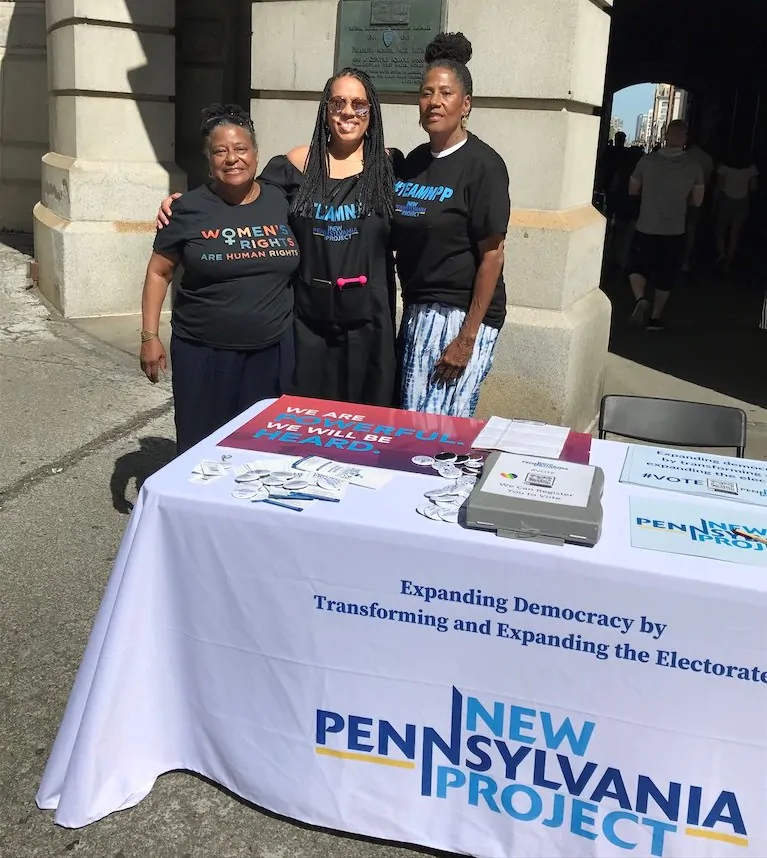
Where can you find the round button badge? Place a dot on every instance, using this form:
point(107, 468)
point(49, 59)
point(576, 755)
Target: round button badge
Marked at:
point(431, 512)
point(449, 472)
point(249, 477)
point(244, 494)
point(330, 484)
point(285, 475)
point(296, 483)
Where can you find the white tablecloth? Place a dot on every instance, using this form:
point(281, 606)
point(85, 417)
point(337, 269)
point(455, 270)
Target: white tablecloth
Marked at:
point(307, 663)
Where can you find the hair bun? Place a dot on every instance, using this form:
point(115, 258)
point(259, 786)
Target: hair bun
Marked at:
point(449, 46)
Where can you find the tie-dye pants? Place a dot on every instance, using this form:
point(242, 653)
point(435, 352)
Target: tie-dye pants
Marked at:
point(427, 329)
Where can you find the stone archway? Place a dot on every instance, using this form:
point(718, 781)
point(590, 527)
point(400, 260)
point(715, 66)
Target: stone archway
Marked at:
point(718, 52)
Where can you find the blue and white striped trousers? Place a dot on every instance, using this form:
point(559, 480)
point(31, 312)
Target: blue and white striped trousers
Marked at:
point(427, 330)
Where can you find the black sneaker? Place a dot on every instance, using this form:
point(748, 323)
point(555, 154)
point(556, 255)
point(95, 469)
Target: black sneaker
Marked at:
point(641, 313)
point(656, 325)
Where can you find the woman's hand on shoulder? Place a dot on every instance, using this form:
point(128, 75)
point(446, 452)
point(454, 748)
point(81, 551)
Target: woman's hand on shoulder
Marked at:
point(298, 157)
point(165, 212)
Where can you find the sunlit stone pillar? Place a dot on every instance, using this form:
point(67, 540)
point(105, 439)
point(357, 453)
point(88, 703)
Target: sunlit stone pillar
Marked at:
point(112, 120)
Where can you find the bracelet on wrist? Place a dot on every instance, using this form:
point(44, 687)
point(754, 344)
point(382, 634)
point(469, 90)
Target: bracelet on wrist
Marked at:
point(148, 335)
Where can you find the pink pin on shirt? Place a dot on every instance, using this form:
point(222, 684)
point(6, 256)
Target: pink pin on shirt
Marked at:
point(341, 282)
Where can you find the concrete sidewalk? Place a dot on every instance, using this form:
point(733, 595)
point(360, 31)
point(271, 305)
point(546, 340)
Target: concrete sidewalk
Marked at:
point(63, 392)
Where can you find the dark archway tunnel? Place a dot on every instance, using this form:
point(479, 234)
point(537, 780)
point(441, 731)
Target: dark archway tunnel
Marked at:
point(717, 51)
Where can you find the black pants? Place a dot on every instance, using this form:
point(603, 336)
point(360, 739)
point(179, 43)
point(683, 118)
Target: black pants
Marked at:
point(658, 258)
point(212, 386)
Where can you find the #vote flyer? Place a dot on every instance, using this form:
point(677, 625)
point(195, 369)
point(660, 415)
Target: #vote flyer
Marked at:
point(355, 434)
point(693, 473)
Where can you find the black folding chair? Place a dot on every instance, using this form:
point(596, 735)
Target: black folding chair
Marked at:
point(673, 422)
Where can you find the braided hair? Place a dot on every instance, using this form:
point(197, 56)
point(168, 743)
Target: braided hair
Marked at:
point(375, 187)
point(451, 51)
point(226, 114)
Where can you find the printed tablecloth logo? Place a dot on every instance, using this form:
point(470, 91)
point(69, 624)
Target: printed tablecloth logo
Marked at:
point(534, 767)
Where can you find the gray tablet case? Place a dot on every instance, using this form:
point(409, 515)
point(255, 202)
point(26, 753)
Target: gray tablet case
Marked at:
point(536, 520)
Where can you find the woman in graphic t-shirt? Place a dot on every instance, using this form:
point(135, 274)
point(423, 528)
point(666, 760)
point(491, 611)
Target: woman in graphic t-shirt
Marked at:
point(340, 191)
point(452, 211)
point(232, 320)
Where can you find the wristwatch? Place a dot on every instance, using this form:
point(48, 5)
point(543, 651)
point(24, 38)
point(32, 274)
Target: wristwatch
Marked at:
point(148, 335)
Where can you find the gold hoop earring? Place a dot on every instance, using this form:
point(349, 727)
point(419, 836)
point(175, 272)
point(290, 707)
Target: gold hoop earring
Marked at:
point(464, 122)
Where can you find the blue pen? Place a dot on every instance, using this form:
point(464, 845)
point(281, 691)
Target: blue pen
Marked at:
point(305, 496)
point(278, 503)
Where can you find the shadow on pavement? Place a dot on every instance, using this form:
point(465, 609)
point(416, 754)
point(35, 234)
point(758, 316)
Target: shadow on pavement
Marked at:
point(139, 465)
point(712, 337)
point(305, 826)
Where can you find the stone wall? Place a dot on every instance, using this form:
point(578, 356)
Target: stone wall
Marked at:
point(112, 140)
point(23, 110)
point(539, 69)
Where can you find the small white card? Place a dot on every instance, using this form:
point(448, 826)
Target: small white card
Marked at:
point(369, 478)
point(208, 471)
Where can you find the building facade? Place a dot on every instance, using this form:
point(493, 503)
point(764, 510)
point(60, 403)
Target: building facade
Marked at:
point(90, 148)
point(640, 132)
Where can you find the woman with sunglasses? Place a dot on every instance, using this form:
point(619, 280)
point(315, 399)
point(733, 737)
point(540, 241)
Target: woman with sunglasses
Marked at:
point(340, 190)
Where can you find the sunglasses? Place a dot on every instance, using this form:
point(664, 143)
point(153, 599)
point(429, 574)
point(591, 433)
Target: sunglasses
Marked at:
point(360, 106)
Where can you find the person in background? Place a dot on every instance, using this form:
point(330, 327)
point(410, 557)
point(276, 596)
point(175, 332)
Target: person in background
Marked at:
point(613, 158)
point(340, 190)
point(706, 163)
point(232, 317)
point(452, 211)
point(667, 182)
point(736, 180)
point(623, 209)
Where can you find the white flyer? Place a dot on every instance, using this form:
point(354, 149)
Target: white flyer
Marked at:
point(688, 472)
point(531, 478)
point(522, 436)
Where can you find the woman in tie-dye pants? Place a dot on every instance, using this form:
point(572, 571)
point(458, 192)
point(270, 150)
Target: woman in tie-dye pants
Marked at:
point(451, 214)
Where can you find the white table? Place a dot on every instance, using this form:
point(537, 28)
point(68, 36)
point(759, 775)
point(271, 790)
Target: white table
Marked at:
point(220, 647)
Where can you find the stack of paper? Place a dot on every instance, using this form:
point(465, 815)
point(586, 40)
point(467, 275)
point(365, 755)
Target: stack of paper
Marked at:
point(522, 436)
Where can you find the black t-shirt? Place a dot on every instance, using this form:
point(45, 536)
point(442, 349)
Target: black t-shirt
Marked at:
point(337, 243)
point(238, 261)
point(444, 207)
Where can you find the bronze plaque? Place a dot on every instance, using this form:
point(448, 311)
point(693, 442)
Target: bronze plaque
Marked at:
point(387, 39)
